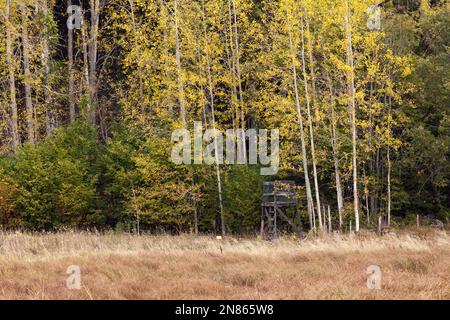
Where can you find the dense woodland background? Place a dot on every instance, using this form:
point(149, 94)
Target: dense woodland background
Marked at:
point(86, 116)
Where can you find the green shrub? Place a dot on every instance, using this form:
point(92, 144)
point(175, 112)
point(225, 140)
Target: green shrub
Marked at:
point(54, 181)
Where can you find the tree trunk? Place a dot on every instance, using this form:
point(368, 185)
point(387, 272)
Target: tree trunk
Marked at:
point(311, 62)
point(334, 145)
point(27, 80)
point(70, 72)
point(92, 55)
point(140, 72)
point(179, 69)
point(366, 193)
point(239, 80)
point(329, 220)
point(49, 112)
point(388, 187)
point(302, 133)
point(311, 132)
point(370, 206)
point(352, 104)
point(238, 64)
point(389, 164)
point(314, 222)
point(231, 64)
point(12, 77)
point(213, 118)
point(84, 46)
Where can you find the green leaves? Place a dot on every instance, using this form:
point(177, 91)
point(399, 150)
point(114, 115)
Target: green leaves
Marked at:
point(55, 183)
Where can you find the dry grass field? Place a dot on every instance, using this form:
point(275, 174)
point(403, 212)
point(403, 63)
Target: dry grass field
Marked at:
point(414, 265)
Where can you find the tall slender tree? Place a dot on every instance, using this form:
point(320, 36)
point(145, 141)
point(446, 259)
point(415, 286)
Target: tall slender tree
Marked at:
point(181, 98)
point(27, 74)
point(92, 57)
point(310, 124)
point(12, 76)
point(213, 121)
point(70, 71)
point(300, 116)
point(352, 105)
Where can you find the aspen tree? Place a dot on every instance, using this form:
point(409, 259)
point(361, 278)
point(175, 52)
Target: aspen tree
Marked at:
point(239, 79)
point(334, 146)
point(213, 121)
point(352, 105)
point(231, 65)
point(238, 63)
point(389, 169)
point(300, 120)
point(311, 132)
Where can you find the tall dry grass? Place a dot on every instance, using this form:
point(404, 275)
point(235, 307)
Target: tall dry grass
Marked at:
point(414, 265)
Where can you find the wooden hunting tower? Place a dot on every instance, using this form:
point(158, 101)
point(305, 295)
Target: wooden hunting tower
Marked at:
point(277, 196)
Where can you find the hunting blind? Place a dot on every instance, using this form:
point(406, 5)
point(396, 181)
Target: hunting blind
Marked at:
point(277, 197)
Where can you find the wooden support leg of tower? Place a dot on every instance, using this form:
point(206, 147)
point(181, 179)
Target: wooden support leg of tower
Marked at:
point(291, 223)
point(274, 234)
point(271, 214)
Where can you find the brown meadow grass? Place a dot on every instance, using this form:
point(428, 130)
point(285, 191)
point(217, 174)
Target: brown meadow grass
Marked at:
point(414, 265)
